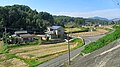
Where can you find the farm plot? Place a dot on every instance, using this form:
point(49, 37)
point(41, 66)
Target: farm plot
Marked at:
point(14, 62)
point(72, 29)
point(40, 50)
point(76, 29)
point(97, 32)
point(37, 54)
point(31, 48)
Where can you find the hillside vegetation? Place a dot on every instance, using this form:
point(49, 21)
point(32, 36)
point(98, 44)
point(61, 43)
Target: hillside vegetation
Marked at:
point(102, 41)
point(17, 17)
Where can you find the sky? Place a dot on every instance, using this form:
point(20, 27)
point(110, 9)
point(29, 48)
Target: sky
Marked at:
point(75, 8)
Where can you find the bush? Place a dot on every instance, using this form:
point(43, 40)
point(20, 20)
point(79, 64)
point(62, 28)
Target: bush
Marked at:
point(102, 41)
point(4, 48)
point(79, 42)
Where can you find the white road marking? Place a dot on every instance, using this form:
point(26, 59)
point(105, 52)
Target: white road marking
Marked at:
point(110, 50)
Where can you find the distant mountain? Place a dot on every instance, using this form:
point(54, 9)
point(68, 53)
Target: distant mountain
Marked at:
point(99, 18)
point(116, 19)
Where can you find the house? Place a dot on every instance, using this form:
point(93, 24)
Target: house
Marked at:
point(97, 25)
point(21, 37)
point(55, 32)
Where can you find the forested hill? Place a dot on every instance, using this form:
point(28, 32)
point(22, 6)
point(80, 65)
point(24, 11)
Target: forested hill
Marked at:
point(20, 16)
point(66, 20)
point(77, 21)
point(17, 17)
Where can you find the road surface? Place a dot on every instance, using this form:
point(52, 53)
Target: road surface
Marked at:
point(61, 59)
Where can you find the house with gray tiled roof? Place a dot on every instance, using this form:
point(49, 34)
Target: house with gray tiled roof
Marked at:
point(22, 36)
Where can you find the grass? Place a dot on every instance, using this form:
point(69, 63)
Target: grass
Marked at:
point(7, 56)
point(102, 41)
point(79, 42)
point(108, 29)
point(75, 30)
point(97, 32)
point(30, 62)
point(3, 47)
point(43, 58)
point(35, 61)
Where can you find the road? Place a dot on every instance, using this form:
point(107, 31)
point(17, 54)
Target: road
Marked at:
point(89, 39)
point(59, 60)
point(108, 56)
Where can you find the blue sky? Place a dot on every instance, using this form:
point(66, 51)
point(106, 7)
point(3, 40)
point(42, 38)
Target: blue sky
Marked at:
point(76, 8)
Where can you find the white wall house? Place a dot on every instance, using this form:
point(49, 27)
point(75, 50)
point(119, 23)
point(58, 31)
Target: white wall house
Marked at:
point(55, 32)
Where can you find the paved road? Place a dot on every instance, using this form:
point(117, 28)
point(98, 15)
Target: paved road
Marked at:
point(59, 60)
point(89, 39)
point(108, 56)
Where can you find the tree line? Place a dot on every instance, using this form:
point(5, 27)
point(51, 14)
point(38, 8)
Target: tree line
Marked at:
point(18, 17)
point(22, 17)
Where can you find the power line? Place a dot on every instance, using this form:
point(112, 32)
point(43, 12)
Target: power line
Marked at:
point(116, 2)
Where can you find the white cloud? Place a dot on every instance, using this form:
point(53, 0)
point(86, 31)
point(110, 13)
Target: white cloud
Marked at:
point(108, 13)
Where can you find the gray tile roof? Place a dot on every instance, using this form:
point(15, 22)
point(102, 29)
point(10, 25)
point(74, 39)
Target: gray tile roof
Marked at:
point(26, 35)
point(55, 27)
point(19, 32)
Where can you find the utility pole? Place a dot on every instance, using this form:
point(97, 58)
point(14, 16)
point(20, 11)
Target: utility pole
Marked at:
point(68, 50)
point(5, 36)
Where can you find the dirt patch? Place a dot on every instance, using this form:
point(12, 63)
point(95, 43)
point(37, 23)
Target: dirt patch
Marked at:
point(72, 29)
point(1, 43)
point(31, 48)
point(13, 63)
point(43, 52)
point(97, 32)
point(2, 57)
point(108, 27)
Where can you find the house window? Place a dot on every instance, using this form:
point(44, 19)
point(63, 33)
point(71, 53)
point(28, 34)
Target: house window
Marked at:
point(59, 30)
point(51, 29)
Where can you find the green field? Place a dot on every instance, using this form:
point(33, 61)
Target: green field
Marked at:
point(102, 41)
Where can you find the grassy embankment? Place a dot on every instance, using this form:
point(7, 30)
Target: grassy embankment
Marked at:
point(102, 41)
point(37, 54)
